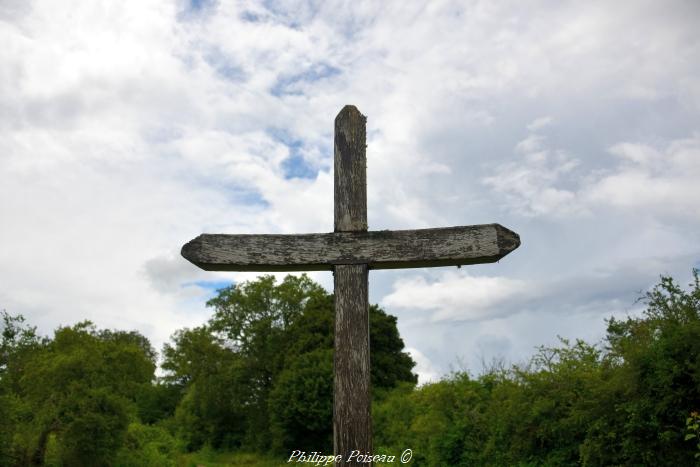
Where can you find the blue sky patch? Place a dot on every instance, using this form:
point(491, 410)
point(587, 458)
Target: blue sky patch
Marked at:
point(247, 197)
point(291, 15)
point(295, 166)
point(199, 5)
point(193, 9)
point(250, 17)
point(210, 285)
point(291, 85)
point(223, 65)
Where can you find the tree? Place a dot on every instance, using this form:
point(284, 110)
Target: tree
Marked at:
point(213, 389)
point(18, 343)
point(82, 387)
point(652, 381)
point(253, 319)
point(302, 398)
point(260, 373)
point(390, 364)
point(301, 408)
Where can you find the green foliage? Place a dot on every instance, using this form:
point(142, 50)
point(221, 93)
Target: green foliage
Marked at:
point(692, 426)
point(574, 404)
point(156, 402)
point(92, 427)
point(82, 387)
point(214, 393)
point(17, 340)
point(208, 457)
point(257, 376)
point(440, 422)
point(254, 319)
point(300, 411)
point(651, 381)
point(68, 400)
point(53, 457)
point(260, 375)
point(390, 364)
point(550, 404)
point(18, 344)
point(146, 446)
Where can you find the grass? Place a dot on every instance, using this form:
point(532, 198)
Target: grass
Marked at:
point(210, 458)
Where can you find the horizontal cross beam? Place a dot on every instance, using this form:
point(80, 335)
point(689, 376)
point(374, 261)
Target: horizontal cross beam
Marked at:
point(384, 249)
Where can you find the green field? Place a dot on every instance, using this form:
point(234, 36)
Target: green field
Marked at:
point(228, 459)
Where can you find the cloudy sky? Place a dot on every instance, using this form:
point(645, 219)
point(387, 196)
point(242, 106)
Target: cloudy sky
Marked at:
point(127, 128)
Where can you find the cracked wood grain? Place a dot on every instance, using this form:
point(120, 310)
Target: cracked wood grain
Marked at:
point(385, 249)
point(352, 421)
point(350, 171)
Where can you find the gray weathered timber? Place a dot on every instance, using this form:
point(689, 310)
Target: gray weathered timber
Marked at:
point(350, 171)
point(383, 249)
point(352, 421)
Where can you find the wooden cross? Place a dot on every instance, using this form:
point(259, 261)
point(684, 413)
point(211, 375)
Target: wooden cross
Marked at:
point(350, 251)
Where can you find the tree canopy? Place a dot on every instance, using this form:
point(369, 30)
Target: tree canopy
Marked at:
point(259, 375)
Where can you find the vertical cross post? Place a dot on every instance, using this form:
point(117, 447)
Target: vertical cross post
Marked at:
point(352, 422)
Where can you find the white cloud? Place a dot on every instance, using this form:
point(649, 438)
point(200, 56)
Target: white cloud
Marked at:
point(544, 182)
point(424, 368)
point(540, 123)
point(534, 186)
point(531, 144)
point(663, 182)
point(457, 296)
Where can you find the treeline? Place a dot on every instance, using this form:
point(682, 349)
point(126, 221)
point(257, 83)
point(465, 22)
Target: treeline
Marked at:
point(258, 377)
point(631, 401)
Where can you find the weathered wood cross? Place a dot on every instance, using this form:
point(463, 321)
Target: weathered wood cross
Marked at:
point(350, 251)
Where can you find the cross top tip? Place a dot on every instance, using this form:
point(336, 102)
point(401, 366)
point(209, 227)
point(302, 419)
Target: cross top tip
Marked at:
point(349, 111)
